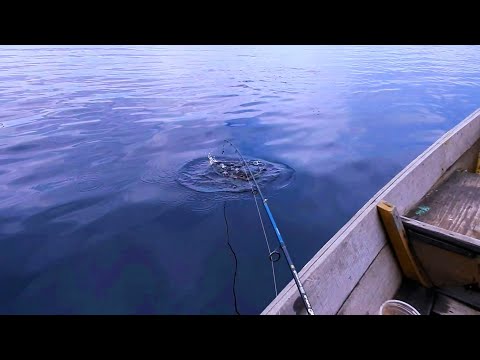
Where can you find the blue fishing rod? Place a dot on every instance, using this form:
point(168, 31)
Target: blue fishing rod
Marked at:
point(283, 246)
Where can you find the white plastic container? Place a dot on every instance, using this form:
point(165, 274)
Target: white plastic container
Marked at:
point(397, 307)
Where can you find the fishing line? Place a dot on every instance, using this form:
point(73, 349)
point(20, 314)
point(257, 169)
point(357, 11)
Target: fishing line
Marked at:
point(283, 246)
point(234, 256)
point(270, 252)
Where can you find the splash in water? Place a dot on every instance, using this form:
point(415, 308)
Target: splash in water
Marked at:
point(213, 174)
point(236, 169)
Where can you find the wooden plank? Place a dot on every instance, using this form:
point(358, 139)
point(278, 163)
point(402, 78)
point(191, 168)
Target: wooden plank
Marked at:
point(478, 164)
point(454, 205)
point(377, 285)
point(445, 305)
point(333, 272)
point(416, 295)
point(468, 161)
point(396, 234)
point(467, 295)
point(463, 241)
point(445, 267)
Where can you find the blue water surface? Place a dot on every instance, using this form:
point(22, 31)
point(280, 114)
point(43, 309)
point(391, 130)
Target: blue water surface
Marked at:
point(92, 139)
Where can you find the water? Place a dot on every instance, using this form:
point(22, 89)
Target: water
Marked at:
point(93, 218)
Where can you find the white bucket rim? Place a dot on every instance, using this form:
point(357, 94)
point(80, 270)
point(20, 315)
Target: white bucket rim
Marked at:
point(401, 305)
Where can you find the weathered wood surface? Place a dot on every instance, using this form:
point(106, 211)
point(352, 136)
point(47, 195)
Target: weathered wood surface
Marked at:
point(454, 205)
point(331, 275)
point(445, 305)
point(377, 285)
point(449, 258)
point(398, 238)
point(467, 161)
point(456, 240)
point(445, 267)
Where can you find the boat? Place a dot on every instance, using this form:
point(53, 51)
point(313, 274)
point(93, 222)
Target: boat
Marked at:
point(416, 241)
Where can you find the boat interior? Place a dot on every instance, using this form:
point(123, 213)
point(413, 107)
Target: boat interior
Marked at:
point(417, 240)
point(437, 242)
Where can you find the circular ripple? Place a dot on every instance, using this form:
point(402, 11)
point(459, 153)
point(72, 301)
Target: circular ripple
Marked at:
point(88, 182)
point(201, 175)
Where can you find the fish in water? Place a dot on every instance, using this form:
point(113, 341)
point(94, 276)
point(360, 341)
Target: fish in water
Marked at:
point(206, 174)
point(236, 169)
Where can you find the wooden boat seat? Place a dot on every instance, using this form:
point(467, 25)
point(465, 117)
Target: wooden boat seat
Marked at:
point(442, 236)
point(454, 205)
point(444, 231)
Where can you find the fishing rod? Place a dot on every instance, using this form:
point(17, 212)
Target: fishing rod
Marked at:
point(283, 246)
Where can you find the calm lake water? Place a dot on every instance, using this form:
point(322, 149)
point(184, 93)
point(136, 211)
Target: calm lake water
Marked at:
point(93, 140)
